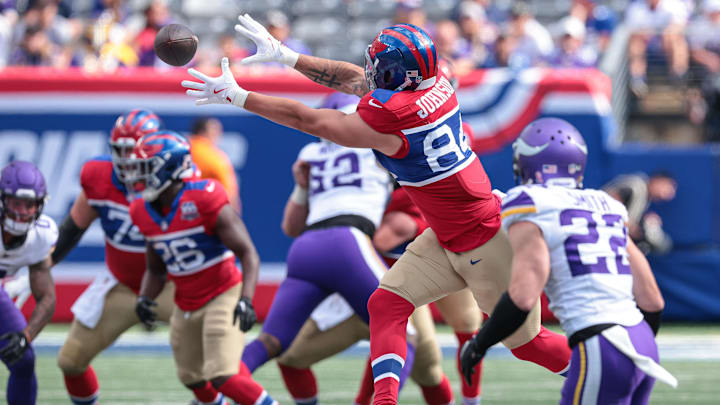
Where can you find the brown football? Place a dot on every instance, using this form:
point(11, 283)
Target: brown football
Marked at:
point(175, 44)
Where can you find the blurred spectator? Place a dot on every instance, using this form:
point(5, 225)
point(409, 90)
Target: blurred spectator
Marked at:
point(657, 26)
point(8, 18)
point(503, 54)
point(53, 36)
point(229, 47)
point(477, 35)
point(534, 42)
point(157, 15)
point(278, 26)
point(637, 191)
point(599, 21)
point(571, 50)
point(35, 48)
point(210, 159)
point(452, 47)
point(704, 39)
point(411, 12)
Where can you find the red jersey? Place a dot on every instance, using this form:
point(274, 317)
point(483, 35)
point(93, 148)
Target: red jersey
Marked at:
point(400, 202)
point(124, 244)
point(435, 165)
point(195, 258)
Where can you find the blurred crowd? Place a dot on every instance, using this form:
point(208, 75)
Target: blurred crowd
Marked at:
point(106, 34)
point(681, 38)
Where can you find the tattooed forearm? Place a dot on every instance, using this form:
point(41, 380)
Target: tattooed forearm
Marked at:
point(341, 76)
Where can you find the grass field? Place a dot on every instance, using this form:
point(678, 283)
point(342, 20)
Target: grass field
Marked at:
point(148, 377)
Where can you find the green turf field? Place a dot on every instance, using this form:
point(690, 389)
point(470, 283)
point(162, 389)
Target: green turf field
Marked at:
point(149, 378)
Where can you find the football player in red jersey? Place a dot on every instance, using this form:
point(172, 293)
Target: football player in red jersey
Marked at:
point(410, 117)
point(193, 237)
point(106, 309)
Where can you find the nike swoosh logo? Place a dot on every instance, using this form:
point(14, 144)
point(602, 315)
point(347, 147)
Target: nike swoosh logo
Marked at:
point(474, 262)
point(218, 91)
point(372, 103)
point(210, 187)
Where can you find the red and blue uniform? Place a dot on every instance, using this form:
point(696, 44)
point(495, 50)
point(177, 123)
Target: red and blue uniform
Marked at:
point(184, 237)
point(400, 202)
point(124, 244)
point(435, 165)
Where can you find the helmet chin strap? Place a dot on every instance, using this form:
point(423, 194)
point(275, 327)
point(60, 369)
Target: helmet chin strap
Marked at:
point(151, 194)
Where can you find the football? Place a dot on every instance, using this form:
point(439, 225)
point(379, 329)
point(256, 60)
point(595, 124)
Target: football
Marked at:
point(175, 44)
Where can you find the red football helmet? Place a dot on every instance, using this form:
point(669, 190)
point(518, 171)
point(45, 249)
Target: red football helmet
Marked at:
point(128, 129)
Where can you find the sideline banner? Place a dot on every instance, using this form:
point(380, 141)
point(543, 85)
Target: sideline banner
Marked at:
point(59, 119)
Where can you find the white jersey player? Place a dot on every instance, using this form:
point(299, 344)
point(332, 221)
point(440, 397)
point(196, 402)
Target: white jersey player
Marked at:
point(573, 243)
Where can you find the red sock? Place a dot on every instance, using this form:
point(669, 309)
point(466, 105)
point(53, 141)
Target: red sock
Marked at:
point(83, 388)
point(548, 349)
point(470, 393)
point(244, 371)
point(301, 383)
point(367, 389)
point(388, 321)
point(206, 394)
point(440, 394)
point(245, 391)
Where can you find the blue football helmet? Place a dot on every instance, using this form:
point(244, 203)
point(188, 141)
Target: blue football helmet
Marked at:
point(158, 160)
point(128, 129)
point(400, 58)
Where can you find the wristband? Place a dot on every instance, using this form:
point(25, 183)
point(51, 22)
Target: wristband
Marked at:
point(240, 96)
point(299, 195)
point(289, 57)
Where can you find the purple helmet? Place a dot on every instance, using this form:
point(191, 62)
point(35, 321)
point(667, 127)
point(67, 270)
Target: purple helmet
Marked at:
point(549, 148)
point(22, 196)
point(346, 103)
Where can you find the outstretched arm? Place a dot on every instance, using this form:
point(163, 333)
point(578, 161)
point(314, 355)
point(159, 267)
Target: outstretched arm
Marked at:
point(344, 129)
point(341, 76)
point(345, 77)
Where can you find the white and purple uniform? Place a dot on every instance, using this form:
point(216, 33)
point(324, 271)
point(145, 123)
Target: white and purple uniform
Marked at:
point(590, 291)
point(39, 242)
point(348, 192)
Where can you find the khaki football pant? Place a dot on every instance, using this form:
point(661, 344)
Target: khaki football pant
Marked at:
point(460, 311)
point(205, 342)
point(83, 344)
point(427, 272)
point(312, 345)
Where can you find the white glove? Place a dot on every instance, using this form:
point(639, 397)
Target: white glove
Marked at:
point(216, 90)
point(269, 49)
point(19, 288)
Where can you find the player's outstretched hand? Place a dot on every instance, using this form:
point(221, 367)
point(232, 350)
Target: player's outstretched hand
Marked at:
point(146, 313)
point(17, 344)
point(469, 358)
point(269, 49)
point(222, 89)
point(244, 314)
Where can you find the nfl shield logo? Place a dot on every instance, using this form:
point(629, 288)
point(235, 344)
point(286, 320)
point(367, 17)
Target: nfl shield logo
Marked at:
point(188, 211)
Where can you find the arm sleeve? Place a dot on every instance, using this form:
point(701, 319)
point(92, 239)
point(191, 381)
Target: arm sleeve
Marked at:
point(69, 236)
